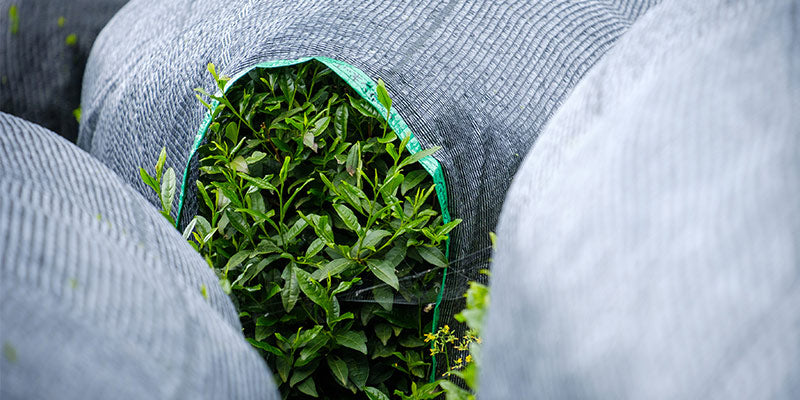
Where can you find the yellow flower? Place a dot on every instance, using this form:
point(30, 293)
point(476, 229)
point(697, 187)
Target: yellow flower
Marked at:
point(433, 352)
point(429, 337)
point(469, 358)
point(446, 329)
point(459, 361)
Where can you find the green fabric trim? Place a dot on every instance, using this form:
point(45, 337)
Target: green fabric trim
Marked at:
point(365, 87)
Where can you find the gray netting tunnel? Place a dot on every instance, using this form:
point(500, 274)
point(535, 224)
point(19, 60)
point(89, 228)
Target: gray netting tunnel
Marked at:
point(44, 45)
point(649, 245)
point(478, 78)
point(100, 296)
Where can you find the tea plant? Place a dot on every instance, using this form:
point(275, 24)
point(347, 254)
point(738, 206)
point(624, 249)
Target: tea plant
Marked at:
point(164, 185)
point(323, 229)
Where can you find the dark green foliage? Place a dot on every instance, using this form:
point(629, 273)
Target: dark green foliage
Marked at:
point(323, 229)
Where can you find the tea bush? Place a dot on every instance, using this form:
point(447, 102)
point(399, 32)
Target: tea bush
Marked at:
point(323, 229)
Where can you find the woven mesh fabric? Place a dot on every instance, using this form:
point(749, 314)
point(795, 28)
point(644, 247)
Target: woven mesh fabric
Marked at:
point(649, 247)
point(475, 77)
point(40, 74)
point(100, 296)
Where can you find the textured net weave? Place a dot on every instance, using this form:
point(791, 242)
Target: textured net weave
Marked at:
point(479, 78)
point(100, 296)
point(40, 71)
point(649, 245)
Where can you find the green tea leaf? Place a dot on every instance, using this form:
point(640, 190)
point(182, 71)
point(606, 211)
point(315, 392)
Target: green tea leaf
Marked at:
point(232, 132)
point(149, 180)
point(446, 228)
point(344, 286)
point(353, 191)
point(255, 201)
point(283, 366)
point(168, 190)
point(351, 195)
point(348, 217)
point(300, 374)
point(238, 222)
point(333, 268)
point(265, 346)
point(413, 179)
point(373, 238)
point(258, 182)
point(359, 370)
point(225, 196)
point(419, 156)
point(258, 216)
point(308, 141)
point(226, 285)
point(363, 107)
point(307, 336)
point(383, 332)
point(385, 272)
point(339, 369)
point(328, 183)
point(353, 158)
point(291, 288)
point(385, 297)
point(355, 340)
point(237, 259)
point(287, 85)
point(383, 95)
point(313, 290)
point(267, 246)
point(389, 188)
point(433, 255)
point(320, 125)
point(395, 255)
point(295, 230)
point(255, 157)
point(204, 194)
point(254, 269)
point(162, 159)
point(340, 122)
point(239, 164)
point(189, 228)
point(332, 321)
point(308, 387)
point(315, 247)
point(284, 169)
point(375, 394)
point(326, 231)
point(311, 350)
point(390, 136)
point(411, 342)
point(390, 149)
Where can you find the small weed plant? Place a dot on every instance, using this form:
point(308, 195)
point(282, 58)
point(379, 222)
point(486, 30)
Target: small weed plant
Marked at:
point(465, 368)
